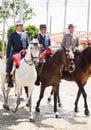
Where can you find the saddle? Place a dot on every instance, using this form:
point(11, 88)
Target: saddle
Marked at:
point(16, 58)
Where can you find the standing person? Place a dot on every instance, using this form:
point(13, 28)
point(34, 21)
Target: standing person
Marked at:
point(17, 41)
point(44, 43)
point(70, 39)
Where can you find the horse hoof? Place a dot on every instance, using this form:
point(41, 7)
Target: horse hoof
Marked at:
point(14, 110)
point(6, 107)
point(37, 109)
point(57, 114)
point(27, 105)
point(32, 120)
point(76, 110)
point(87, 112)
point(49, 99)
point(60, 105)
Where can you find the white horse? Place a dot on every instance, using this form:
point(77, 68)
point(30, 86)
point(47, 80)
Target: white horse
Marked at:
point(24, 76)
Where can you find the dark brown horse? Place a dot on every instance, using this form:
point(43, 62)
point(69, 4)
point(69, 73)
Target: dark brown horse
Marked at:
point(80, 76)
point(50, 74)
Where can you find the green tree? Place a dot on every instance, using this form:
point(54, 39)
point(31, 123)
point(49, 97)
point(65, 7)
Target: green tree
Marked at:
point(4, 11)
point(27, 12)
point(1, 45)
point(10, 29)
point(13, 12)
point(31, 30)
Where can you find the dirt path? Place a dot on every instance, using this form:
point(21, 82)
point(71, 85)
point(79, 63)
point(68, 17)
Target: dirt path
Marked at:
point(45, 120)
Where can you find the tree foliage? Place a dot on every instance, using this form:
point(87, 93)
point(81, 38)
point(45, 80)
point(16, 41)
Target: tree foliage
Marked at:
point(0, 45)
point(4, 13)
point(11, 29)
point(13, 12)
point(27, 12)
point(31, 30)
point(1, 42)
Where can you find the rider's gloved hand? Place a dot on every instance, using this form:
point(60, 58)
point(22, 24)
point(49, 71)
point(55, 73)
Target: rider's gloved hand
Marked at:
point(23, 51)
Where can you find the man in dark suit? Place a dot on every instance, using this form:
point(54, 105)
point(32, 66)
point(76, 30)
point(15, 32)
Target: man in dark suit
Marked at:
point(44, 43)
point(17, 41)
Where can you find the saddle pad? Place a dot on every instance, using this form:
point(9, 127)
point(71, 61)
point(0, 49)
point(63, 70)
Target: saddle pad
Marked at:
point(16, 58)
point(44, 53)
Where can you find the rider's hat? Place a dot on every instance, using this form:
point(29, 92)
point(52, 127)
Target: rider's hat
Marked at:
point(19, 22)
point(42, 26)
point(70, 26)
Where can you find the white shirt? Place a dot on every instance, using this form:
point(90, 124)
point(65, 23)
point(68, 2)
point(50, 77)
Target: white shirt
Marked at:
point(18, 32)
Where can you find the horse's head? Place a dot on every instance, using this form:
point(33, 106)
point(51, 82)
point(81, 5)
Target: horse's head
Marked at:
point(70, 59)
point(33, 52)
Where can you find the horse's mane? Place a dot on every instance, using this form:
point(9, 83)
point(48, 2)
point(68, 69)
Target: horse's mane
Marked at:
point(86, 50)
point(83, 57)
point(53, 58)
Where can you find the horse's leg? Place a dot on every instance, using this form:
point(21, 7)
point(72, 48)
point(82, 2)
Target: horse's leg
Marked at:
point(76, 102)
point(30, 108)
point(18, 100)
point(55, 89)
point(37, 109)
point(81, 87)
point(50, 97)
point(59, 100)
point(5, 105)
point(5, 94)
point(26, 91)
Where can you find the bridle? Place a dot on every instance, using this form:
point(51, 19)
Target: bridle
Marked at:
point(30, 62)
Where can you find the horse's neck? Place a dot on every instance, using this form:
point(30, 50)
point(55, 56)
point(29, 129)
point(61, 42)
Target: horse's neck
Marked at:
point(87, 55)
point(28, 55)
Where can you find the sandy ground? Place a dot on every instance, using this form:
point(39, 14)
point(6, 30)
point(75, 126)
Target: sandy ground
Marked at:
point(45, 120)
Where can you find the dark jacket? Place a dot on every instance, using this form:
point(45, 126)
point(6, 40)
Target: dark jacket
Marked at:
point(45, 41)
point(15, 44)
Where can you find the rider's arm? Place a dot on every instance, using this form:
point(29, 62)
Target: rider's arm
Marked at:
point(63, 41)
point(77, 43)
point(49, 43)
point(27, 41)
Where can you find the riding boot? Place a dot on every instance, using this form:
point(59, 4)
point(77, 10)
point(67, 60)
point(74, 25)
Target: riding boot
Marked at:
point(39, 69)
point(9, 78)
point(37, 82)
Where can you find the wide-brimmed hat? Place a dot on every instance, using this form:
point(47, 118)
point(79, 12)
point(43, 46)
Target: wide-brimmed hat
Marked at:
point(42, 26)
point(19, 22)
point(70, 26)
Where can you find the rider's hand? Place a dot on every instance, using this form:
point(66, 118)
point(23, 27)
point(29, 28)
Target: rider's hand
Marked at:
point(40, 45)
point(77, 49)
point(24, 51)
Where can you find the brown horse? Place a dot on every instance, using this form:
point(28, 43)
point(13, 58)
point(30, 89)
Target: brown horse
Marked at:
point(80, 76)
point(50, 74)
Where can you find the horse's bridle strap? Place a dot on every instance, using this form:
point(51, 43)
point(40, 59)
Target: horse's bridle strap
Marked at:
point(28, 62)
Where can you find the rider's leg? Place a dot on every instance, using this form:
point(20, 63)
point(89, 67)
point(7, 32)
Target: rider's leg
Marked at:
point(9, 76)
point(39, 69)
point(37, 82)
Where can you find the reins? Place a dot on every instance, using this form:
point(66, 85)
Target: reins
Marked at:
point(32, 60)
